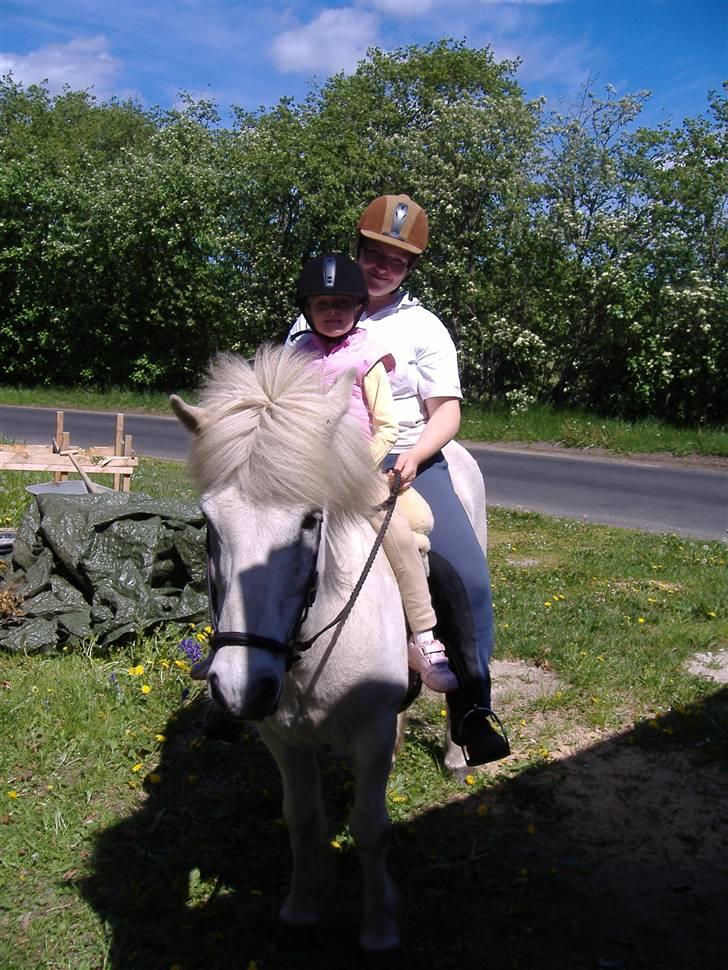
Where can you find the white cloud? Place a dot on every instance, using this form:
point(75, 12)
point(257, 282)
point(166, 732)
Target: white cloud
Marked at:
point(81, 63)
point(336, 40)
point(403, 8)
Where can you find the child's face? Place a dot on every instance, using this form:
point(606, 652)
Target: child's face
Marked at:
point(333, 316)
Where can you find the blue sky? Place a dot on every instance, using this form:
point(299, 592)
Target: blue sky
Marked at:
point(253, 52)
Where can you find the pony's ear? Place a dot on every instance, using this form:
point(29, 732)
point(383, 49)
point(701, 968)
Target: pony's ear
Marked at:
point(190, 416)
point(338, 395)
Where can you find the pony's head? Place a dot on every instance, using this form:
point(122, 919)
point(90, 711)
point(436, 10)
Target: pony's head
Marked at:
point(272, 450)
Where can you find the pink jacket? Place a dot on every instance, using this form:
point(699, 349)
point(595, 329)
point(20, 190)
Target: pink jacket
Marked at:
point(357, 351)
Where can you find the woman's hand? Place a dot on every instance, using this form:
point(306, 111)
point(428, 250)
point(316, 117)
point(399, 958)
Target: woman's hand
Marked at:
point(407, 464)
point(442, 424)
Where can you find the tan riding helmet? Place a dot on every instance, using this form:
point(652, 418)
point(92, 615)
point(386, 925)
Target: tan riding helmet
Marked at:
point(397, 221)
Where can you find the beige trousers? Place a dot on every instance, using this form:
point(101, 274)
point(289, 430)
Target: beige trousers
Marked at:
point(400, 548)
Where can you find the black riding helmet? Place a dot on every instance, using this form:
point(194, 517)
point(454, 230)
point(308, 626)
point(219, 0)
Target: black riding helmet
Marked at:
point(333, 274)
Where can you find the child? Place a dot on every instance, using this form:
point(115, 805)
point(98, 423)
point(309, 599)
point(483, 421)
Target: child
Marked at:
point(332, 295)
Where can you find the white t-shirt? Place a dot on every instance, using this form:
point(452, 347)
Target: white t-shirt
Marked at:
point(426, 362)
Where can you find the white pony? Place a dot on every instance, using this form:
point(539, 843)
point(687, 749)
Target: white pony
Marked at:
point(287, 480)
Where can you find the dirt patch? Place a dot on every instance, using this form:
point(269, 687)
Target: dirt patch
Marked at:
point(711, 665)
point(617, 842)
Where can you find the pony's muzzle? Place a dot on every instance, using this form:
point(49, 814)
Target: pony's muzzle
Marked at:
point(259, 700)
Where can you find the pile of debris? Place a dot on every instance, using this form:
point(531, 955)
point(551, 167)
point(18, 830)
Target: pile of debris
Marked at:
point(101, 566)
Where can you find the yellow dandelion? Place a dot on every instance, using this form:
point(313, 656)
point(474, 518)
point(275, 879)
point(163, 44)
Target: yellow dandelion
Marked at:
point(547, 603)
point(640, 619)
point(136, 671)
point(182, 665)
point(137, 767)
point(146, 689)
point(443, 712)
point(600, 658)
point(470, 779)
point(12, 793)
point(335, 844)
point(160, 737)
point(712, 613)
point(165, 663)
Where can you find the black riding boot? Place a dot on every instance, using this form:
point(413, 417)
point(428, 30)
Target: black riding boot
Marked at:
point(474, 725)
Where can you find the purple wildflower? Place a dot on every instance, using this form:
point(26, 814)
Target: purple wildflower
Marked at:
point(191, 649)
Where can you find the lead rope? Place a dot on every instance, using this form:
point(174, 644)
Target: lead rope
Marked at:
point(388, 505)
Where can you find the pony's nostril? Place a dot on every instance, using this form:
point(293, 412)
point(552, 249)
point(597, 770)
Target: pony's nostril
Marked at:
point(213, 685)
point(268, 694)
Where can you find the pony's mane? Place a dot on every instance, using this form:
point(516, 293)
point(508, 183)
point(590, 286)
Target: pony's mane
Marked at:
point(272, 428)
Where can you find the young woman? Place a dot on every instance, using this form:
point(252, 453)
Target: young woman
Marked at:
point(393, 234)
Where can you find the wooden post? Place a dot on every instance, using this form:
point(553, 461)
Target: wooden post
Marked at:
point(126, 484)
point(118, 446)
point(59, 476)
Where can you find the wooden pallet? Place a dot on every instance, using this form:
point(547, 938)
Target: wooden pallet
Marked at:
point(117, 460)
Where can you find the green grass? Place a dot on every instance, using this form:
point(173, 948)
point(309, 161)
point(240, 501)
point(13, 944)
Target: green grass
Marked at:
point(132, 841)
point(571, 429)
point(574, 428)
point(90, 399)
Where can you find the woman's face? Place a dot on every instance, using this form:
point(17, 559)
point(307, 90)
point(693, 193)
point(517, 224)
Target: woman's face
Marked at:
point(384, 266)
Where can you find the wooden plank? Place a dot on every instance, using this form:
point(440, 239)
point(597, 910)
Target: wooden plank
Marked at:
point(95, 452)
point(56, 465)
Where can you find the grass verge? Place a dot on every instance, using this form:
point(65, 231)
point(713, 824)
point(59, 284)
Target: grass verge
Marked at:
point(573, 428)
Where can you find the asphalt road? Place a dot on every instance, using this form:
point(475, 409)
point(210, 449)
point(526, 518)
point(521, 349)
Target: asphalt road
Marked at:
point(649, 496)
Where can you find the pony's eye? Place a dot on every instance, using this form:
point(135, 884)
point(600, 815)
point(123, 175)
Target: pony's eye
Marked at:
point(311, 521)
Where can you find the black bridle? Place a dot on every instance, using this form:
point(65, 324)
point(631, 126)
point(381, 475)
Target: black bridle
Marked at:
point(292, 647)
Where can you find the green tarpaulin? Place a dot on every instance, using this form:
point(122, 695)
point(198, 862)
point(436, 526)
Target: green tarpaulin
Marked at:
point(103, 566)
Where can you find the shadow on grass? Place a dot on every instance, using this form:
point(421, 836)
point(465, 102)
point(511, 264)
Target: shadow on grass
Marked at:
point(612, 858)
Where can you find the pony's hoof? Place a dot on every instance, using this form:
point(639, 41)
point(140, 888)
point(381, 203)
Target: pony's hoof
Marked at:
point(390, 959)
point(295, 939)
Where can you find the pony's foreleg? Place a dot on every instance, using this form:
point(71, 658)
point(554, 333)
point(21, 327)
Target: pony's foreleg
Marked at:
point(304, 816)
point(370, 827)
